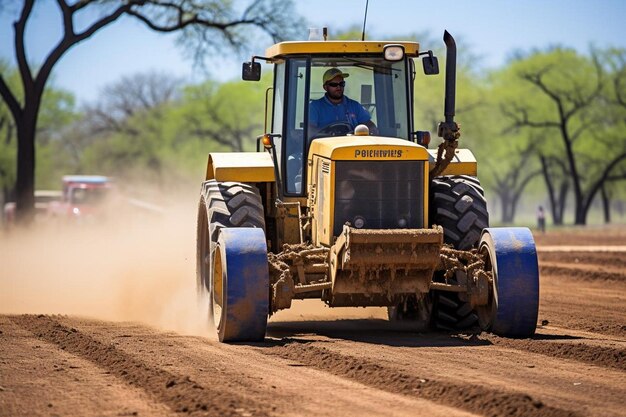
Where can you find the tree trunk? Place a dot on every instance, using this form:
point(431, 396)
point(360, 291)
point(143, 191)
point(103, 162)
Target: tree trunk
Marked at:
point(561, 203)
point(580, 213)
point(506, 202)
point(514, 204)
point(606, 205)
point(554, 207)
point(580, 218)
point(25, 182)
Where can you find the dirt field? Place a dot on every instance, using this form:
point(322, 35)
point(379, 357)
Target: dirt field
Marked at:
point(107, 324)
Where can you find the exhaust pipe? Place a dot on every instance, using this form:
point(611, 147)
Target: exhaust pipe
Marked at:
point(449, 106)
point(448, 129)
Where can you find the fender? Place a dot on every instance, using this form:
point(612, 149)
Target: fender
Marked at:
point(240, 167)
point(463, 163)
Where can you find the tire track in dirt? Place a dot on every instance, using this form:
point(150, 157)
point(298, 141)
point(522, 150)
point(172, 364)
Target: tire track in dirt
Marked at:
point(179, 393)
point(577, 351)
point(589, 259)
point(609, 249)
point(587, 266)
point(469, 397)
point(595, 306)
point(582, 272)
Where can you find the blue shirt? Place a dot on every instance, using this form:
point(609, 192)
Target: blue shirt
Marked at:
point(323, 112)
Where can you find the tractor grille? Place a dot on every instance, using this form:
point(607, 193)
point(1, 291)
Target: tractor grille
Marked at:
point(379, 194)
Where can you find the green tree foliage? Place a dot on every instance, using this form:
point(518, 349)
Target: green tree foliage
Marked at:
point(230, 115)
point(561, 96)
point(507, 158)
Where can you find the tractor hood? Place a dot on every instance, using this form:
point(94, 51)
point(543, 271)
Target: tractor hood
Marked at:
point(361, 148)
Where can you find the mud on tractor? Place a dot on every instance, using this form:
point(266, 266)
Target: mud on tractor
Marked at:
point(355, 218)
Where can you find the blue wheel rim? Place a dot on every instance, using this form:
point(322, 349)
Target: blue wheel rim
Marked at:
point(513, 257)
point(244, 291)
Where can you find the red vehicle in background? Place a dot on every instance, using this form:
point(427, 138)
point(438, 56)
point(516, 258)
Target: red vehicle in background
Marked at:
point(83, 196)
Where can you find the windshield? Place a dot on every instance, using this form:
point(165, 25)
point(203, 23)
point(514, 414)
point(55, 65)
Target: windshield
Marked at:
point(88, 195)
point(374, 89)
point(375, 93)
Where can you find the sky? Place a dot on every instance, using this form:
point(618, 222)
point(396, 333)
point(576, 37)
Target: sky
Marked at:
point(489, 29)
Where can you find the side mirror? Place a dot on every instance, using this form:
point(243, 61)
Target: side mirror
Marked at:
point(251, 71)
point(430, 64)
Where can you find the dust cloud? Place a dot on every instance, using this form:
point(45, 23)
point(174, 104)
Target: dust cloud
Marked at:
point(137, 264)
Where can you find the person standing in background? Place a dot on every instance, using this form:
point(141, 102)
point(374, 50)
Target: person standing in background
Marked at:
point(541, 219)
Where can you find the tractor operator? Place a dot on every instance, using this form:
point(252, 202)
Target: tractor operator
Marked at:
point(335, 107)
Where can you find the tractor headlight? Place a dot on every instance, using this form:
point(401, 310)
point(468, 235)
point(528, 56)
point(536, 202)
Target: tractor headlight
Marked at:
point(394, 52)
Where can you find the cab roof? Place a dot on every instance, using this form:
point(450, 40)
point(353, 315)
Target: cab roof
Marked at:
point(89, 179)
point(336, 47)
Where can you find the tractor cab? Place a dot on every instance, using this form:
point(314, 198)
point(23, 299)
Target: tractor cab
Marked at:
point(378, 75)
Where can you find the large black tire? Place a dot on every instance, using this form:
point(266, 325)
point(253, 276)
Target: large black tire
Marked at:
point(452, 311)
point(223, 204)
point(458, 205)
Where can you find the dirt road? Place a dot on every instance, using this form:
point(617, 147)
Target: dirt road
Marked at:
point(144, 351)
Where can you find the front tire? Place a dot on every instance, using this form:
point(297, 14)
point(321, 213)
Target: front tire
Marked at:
point(223, 205)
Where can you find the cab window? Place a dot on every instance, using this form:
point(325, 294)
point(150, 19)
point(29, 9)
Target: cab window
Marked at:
point(294, 125)
point(379, 86)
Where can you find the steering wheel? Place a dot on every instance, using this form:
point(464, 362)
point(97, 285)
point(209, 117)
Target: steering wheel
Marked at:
point(334, 129)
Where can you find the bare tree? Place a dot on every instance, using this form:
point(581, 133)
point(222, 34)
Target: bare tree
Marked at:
point(138, 93)
point(210, 21)
point(509, 184)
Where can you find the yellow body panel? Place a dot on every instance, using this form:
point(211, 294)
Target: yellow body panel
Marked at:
point(336, 47)
point(463, 163)
point(240, 167)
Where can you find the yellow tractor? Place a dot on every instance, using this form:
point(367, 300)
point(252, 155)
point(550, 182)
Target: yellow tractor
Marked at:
point(361, 215)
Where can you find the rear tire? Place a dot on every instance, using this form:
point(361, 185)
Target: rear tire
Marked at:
point(458, 205)
point(452, 311)
point(223, 205)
